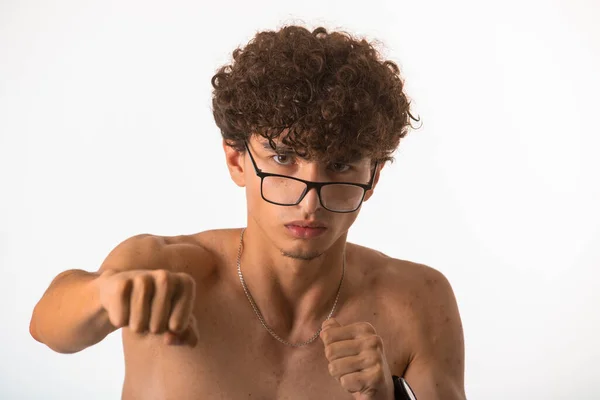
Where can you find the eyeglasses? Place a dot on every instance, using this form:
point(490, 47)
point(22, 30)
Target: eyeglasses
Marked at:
point(282, 190)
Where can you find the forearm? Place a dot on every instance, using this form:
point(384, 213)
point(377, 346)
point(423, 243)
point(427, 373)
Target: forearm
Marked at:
point(69, 316)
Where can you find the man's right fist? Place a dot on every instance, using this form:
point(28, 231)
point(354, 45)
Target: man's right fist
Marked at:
point(154, 301)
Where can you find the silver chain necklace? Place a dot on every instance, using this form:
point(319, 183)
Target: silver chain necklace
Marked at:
point(260, 317)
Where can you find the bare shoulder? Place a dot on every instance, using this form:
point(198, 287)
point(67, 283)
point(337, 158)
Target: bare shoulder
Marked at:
point(427, 294)
point(421, 307)
point(193, 253)
point(420, 293)
point(396, 273)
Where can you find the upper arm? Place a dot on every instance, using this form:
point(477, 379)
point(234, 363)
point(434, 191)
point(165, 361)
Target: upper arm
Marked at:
point(150, 252)
point(436, 369)
point(137, 252)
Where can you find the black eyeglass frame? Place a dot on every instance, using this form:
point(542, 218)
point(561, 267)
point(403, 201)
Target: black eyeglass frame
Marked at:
point(310, 185)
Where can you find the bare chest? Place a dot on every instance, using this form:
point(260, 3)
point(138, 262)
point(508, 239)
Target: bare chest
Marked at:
point(236, 358)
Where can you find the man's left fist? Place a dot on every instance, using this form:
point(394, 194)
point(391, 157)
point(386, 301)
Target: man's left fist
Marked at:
point(357, 360)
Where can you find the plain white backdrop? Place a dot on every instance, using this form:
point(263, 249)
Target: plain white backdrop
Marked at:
point(106, 132)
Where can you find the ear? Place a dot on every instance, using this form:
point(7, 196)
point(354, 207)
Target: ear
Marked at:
point(235, 163)
point(375, 180)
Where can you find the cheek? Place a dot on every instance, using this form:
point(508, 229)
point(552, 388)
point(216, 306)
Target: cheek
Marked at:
point(253, 198)
point(346, 220)
point(260, 209)
point(252, 186)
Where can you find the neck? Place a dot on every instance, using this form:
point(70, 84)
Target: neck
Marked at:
point(294, 295)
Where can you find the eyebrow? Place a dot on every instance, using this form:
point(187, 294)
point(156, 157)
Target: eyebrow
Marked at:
point(279, 148)
point(283, 149)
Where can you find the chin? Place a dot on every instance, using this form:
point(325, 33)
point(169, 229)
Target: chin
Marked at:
point(304, 255)
point(304, 249)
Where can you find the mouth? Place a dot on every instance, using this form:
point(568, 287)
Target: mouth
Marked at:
point(305, 229)
point(307, 224)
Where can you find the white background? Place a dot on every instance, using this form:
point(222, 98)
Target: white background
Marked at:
point(106, 132)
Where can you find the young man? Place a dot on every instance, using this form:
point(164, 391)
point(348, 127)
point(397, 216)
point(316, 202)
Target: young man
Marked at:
point(285, 308)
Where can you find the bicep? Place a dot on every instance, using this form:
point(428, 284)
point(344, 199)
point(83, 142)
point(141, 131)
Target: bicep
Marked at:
point(148, 252)
point(436, 370)
point(142, 251)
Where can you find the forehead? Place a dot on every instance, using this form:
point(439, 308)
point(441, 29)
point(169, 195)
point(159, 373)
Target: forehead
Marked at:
point(262, 144)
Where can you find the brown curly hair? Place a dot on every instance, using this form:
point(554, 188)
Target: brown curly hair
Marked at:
point(331, 94)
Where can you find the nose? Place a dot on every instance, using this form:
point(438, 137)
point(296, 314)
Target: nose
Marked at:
point(310, 203)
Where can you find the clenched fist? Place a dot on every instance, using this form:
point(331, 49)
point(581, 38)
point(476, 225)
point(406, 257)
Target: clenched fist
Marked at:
point(357, 359)
point(151, 301)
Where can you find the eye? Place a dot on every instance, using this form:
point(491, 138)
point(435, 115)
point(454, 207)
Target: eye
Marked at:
point(282, 159)
point(340, 167)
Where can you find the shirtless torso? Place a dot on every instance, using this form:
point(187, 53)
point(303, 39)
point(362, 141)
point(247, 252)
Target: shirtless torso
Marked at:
point(237, 358)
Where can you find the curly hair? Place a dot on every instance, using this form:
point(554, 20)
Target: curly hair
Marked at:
point(328, 95)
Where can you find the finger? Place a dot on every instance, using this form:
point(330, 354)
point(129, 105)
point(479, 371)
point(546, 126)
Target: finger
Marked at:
point(345, 348)
point(161, 301)
point(140, 303)
point(183, 302)
point(328, 328)
point(330, 323)
point(119, 303)
point(190, 335)
point(333, 333)
point(347, 365)
point(355, 381)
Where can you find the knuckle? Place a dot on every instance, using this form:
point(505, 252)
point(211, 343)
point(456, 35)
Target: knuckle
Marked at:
point(183, 283)
point(332, 369)
point(115, 320)
point(366, 327)
point(188, 282)
point(120, 286)
point(328, 352)
point(374, 342)
point(140, 281)
point(161, 276)
point(345, 380)
point(192, 283)
point(378, 373)
point(372, 359)
point(184, 276)
point(120, 316)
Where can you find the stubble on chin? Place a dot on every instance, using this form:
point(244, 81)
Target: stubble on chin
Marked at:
point(300, 255)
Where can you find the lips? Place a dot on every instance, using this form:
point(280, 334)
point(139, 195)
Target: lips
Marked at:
point(307, 224)
point(305, 230)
